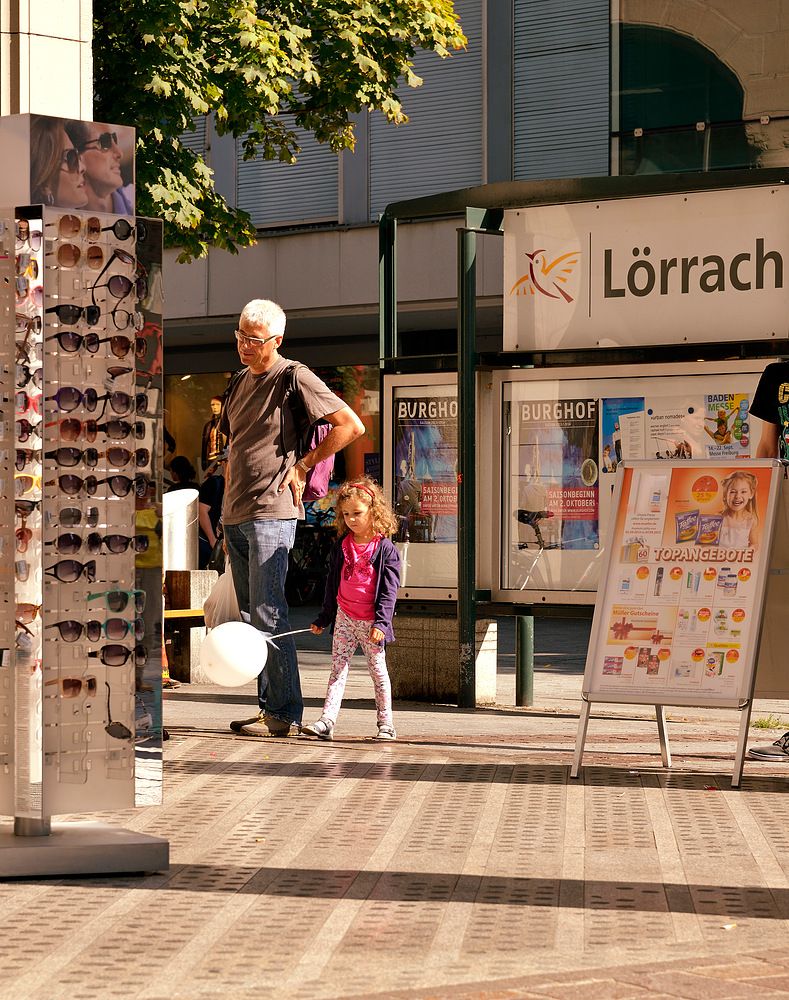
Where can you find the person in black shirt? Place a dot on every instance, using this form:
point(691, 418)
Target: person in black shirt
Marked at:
point(771, 405)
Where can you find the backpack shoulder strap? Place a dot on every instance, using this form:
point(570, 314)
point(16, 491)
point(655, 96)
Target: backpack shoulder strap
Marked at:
point(235, 378)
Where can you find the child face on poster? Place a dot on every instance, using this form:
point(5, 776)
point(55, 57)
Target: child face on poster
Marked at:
point(739, 495)
point(740, 510)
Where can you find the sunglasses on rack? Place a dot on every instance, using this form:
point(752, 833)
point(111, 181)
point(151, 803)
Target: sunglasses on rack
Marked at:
point(27, 324)
point(122, 402)
point(24, 508)
point(69, 398)
point(25, 238)
point(70, 687)
point(118, 600)
point(69, 457)
point(22, 536)
point(23, 293)
point(69, 570)
point(29, 353)
point(26, 266)
point(24, 456)
point(69, 315)
point(123, 319)
point(120, 345)
point(116, 656)
point(25, 613)
point(69, 255)
point(71, 517)
point(69, 543)
point(71, 428)
point(119, 286)
point(72, 485)
point(114, 629)
point(24, 376)
point(26, 484)
point(121, 486)
point(24, 429)
point(70, 226)
point(24, 403)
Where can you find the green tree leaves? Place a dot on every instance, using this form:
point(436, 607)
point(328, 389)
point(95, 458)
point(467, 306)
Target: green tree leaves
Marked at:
point(158, 63)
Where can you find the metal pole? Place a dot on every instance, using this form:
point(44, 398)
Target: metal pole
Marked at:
point(524, 660)
point(467, 486)
point(387, 289)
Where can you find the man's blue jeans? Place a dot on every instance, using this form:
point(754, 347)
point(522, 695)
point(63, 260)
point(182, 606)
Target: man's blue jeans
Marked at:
point(258, 553)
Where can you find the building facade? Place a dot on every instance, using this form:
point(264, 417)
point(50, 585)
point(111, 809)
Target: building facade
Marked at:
point(559, 88)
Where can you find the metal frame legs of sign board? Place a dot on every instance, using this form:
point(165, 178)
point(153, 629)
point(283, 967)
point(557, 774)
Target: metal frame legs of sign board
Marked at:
point(683, 596)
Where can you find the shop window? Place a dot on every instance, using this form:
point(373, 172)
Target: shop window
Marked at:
point(680, 107)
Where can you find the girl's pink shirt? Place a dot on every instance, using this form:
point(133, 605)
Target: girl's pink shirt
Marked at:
point(358, 579)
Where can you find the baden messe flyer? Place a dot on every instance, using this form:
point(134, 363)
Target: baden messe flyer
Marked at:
point(680, 599)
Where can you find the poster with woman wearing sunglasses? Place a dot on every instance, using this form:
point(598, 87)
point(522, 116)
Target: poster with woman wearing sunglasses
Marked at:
point(107, 152)
point(57, 173)
point(86, 165)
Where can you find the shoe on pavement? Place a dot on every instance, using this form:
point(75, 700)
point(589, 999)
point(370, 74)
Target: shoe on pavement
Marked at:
point(323, 729)
point(264, 725)
point(771, 751)
point(386, 732)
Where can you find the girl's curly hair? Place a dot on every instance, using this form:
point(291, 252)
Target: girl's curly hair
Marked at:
point(384, 519)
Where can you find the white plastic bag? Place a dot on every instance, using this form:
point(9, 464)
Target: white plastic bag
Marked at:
point(221, 605)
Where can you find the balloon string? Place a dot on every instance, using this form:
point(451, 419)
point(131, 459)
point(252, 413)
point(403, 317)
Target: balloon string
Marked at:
point(283, 634)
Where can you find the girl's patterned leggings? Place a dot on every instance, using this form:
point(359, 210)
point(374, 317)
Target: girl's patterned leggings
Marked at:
point(348, 634)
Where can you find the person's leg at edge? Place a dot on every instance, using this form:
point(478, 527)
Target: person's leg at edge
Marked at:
point(344, 643)
point(238, 555)
point(375, 653)
point(270, 541)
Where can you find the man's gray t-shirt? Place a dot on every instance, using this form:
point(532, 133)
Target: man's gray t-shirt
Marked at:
point(263, 440)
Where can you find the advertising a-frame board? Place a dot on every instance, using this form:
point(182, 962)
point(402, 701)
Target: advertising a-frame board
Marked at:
point(679, 609)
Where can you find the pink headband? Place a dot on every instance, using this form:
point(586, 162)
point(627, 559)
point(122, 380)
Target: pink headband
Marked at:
point(358, 486)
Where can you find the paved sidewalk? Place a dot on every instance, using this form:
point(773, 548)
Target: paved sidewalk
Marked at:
point(460, 862)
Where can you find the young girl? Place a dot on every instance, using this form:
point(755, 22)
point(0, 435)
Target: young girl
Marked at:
point(361, 590)
point(740, 513)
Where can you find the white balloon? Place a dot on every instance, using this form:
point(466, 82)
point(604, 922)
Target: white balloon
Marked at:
point(233, 654)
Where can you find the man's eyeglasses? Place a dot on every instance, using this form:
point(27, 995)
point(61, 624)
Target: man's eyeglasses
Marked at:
point(244, 340)
point(105, 141)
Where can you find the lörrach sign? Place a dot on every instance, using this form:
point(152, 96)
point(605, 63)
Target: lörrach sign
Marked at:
point(698, 267)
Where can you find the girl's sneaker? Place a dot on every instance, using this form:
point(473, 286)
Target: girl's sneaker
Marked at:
point(323, 729)
point(386, 732)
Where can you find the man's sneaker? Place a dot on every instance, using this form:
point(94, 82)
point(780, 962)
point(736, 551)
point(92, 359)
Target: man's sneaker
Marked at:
point(386, 732)
point(771, 751)
point(264, 725)
point(323, 729)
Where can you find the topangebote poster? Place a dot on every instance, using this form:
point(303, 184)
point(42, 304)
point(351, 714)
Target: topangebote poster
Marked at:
point(678, 612)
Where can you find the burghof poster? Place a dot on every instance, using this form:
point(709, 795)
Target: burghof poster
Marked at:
point(681, 605)
point(425, 420)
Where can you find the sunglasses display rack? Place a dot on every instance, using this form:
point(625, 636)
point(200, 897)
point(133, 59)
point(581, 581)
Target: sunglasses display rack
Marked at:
point(7, 629)
point(80, 681)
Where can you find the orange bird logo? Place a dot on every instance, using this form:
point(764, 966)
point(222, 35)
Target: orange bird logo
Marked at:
point(545, 275)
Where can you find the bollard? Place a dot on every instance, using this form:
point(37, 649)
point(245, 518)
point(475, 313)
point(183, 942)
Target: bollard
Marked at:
point(524, 660)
